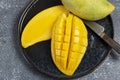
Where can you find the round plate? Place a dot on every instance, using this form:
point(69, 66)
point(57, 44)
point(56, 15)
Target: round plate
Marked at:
point(39, 55)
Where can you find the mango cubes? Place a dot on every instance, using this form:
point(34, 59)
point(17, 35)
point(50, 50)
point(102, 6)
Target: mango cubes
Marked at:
point(69, 43)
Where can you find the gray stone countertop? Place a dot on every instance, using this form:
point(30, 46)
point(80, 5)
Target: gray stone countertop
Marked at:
point(13, 66)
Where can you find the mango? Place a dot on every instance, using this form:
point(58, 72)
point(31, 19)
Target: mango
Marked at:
point(69, 43)
point(40, 26)
point(89, 9)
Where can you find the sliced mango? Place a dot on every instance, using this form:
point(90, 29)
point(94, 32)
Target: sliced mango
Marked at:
point(69, 43)
point(40, 26)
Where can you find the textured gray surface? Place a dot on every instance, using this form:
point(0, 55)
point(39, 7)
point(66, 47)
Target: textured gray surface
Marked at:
point(14, 67)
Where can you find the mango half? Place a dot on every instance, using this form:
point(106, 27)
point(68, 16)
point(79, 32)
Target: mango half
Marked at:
point(39, 28)
point(89, 9)
point(69, 43)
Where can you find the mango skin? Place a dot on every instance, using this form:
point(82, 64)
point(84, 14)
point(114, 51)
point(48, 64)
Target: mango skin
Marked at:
point(39, 28)
point(69, 43)
point(89, 9)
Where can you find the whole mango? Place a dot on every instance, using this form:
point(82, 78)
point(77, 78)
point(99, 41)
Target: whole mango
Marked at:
point(69, 43)
point(89, 9)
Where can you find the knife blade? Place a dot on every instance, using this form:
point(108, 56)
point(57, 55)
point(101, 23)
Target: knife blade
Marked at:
point(99, 30)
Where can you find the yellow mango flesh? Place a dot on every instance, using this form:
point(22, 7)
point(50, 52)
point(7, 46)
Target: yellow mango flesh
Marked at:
point(89, 9)
point(40, 26)
point(69, 43)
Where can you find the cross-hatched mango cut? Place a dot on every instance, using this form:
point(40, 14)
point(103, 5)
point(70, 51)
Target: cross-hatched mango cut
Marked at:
point(69, 43)
point(40, 26)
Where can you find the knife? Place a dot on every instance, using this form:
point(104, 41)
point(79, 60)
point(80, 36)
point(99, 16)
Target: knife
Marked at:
point(99, 30)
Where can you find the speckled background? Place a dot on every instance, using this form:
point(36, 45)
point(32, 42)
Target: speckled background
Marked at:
point(13, 66)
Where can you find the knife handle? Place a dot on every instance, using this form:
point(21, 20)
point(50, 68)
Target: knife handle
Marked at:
point(111, 42)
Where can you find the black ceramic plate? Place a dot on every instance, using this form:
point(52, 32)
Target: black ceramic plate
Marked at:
point(39, 55)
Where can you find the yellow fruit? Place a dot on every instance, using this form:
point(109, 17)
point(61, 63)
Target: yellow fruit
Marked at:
point(89, 9)
point(69, 43)
point(40, 26)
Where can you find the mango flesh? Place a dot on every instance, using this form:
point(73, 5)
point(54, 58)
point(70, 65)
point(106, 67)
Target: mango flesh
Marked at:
point(69, 43)
point(89, 9)
point(40, 26)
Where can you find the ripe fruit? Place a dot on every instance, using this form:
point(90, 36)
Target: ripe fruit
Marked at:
point(39, 27)
point(69, 43)
point(89, 9)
